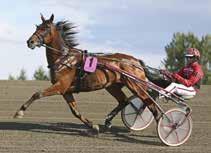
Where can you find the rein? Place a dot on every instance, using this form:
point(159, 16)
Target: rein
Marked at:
point(60, 52)
point(123, 61)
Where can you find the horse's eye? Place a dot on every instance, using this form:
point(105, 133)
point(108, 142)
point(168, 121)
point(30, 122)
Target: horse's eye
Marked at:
point(37, 27)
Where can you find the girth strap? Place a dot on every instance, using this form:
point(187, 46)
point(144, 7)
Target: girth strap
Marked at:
point(80, 72)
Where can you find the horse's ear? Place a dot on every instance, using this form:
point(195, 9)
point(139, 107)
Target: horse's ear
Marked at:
point(42, 17)
point(51, 18)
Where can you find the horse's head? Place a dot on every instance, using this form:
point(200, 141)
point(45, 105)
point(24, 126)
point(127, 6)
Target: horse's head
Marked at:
point(43, 34)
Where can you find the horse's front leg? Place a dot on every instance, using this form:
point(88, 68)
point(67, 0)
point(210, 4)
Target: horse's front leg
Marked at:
point(73, 106)
point(55, 89)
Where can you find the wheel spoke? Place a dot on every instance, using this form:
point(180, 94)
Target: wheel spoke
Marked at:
point(135, 119)
point(177, 136)
point(172, 130)
point(143, 119)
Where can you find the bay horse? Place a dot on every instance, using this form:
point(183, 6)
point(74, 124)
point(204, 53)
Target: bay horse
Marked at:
point(65, 64)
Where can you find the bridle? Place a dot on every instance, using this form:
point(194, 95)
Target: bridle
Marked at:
point(41, 36)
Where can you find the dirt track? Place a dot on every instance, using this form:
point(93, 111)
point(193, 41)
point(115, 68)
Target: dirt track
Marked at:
point(49, 126)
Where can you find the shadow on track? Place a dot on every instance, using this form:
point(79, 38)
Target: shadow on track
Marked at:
point(45, 127)
point(117, 133)
point(122, 134)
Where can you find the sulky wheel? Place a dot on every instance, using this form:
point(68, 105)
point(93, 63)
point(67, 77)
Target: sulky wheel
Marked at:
point(135, 115)
point(174, 127)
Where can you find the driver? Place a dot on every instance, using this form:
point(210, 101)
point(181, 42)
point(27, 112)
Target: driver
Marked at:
point(187, 80)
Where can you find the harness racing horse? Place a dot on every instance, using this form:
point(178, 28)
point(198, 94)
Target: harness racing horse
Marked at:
point(66, 64)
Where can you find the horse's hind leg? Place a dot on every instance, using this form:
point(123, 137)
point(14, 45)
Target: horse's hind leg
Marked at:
point(73, 106)
point(140, 91)
point(118, 94)
point(53, 90)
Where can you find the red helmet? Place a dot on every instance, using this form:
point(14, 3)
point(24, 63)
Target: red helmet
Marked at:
point(192, 52)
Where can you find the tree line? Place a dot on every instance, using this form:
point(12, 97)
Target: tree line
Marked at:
point(39, 74)
point(174, 60)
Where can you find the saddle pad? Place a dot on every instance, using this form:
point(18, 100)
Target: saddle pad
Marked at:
point(90, 64)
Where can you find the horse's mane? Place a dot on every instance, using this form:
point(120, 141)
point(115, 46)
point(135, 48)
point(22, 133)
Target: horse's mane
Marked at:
point(67, 32)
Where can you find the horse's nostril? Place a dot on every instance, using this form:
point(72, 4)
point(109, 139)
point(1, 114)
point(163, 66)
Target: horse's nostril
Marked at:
point(30, 42)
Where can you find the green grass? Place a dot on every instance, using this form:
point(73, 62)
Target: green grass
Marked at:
point(209, 78)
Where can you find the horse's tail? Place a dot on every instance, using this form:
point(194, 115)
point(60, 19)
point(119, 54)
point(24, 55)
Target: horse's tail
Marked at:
point(142, 63)
point(153, 75)
point(150, 74)
point(145, 68)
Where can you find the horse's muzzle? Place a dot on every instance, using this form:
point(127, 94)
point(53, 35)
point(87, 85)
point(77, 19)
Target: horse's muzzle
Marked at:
point(31, 44)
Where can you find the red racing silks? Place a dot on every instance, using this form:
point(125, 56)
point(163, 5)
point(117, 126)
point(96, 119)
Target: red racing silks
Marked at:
point(189, 75)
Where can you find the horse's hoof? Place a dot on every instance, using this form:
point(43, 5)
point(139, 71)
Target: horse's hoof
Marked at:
point(108, 125)
point(96, 129)
point(94, 132)
point(19, 114)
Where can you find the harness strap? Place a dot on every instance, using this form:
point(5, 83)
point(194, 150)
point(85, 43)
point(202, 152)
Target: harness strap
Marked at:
point(80, 72)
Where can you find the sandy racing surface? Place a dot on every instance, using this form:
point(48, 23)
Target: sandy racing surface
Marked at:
point(49, 126)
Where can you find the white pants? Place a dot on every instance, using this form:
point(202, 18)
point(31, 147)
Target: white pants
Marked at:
point(181, 89)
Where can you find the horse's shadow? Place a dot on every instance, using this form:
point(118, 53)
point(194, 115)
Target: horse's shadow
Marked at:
point(45, 127)
point(117, 133)
point(124, 135)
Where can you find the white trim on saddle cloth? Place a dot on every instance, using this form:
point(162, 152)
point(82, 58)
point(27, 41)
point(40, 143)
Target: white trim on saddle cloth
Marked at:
point(90, 64)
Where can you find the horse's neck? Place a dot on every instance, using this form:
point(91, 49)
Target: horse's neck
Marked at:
point(53, 55)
